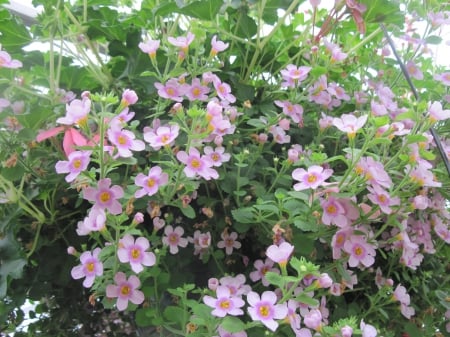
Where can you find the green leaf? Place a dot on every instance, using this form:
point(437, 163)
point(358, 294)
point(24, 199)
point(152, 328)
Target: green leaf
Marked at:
point(306, 225)
point(413, 330)
point(303, 298)
point(412, 139)
point(232, 324)
point(142, 317)
point(175, 314)
point(433, 39)
point(204, 10)
point(14, 34)
point(243, 215)
point(275, 279)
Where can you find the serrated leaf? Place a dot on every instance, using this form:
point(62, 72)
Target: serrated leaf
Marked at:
point(243, 215)
point(303, 298)
point(175, 314)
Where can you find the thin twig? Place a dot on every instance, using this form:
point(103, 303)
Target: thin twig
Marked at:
point(416, 96)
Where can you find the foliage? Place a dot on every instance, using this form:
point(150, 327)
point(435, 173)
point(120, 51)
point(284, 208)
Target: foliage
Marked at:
point(212, 168)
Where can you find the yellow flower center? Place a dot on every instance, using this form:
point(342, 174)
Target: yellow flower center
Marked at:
point(125, 290)
point(135, 253)
point(105, 196)
point(195, 163)
point(170, 91)
point(358, 251)
point(264, 310)
point(196, 91)
point(90, 267)
point(164, 139)
point(331, 209)
point(215, 157)
point(382, 198)
point(225, 304)
point(122, 140)
point(173, 238)
point(77, 163)
point(151, 182)
point(311, 178)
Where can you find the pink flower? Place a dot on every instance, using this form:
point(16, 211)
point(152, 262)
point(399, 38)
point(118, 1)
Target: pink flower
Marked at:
point(295, 111)
point(217, 46)
point(90, 267)
point(125, 142)
point(336, 53)
point(229, 242)
point(173, 238)
point(294, 75)
point(382, 198)
point(94, 222)
point(77, 163)
point(360, 251)
point(164, 135)
point(158, 223)
point(182, 42)
point(313, 319)
point(129, 97)
point(125, 290)
point(76, 112)
point(171, 90)
point(223, 90)
point(104, 196)
point(138, 218)
point(236, 285)
point(225, 303)
point(444, 78)
point(373, 171)
point(280, 254)
point(217, 155)
point(135, 253)
point(7, 62)
point(150, 47)
point(265, 310)
point(435, 112)
point(197, 165)
point(413, 70)
point(333, 212)
point(346, 331)
point(224, 333)
point(150, 183)
point(313, 178)
point(261, 269)
point(201, 241)
point(196, 91)
point(350, 124)
point(367, 330)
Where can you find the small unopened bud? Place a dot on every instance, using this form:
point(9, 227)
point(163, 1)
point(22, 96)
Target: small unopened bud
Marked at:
point(71, 250)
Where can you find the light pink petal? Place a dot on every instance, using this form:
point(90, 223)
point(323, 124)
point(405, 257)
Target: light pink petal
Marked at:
point(210, 301)
point(149, 259)
point(127, 240)
point(115, 208)
point(120, 278)
point(88, 281)
point(136, 267)
point(77, 272)
point(269, 296)
point(122, 254)
point(143, 243)
point(122, 303)
point(137, 297)
point(253, 298)
point(270, 323)
point(112, 291)
point(62, 167)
